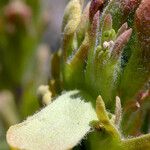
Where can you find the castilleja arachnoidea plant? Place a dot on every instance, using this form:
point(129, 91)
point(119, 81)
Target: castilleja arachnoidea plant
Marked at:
point(99, 95)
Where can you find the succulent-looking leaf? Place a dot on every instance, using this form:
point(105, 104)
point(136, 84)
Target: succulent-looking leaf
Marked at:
point(107, 25)
point(71, 20)
point(83, 25)
point(122, 29)
point(76, 65)
point(138, 66)
point(143, 25)
point(95, 6)
point(59, 126)
point(118, 112)
point(104, 119)
point(129, 5)
point(120, 42)
point(92, 41)
point(138, 143)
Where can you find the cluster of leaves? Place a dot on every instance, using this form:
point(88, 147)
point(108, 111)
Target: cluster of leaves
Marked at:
point(105, 51)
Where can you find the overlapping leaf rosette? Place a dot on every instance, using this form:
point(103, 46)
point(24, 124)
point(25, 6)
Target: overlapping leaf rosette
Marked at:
point(104, 57)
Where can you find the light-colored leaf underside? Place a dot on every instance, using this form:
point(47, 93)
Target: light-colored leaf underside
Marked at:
point(59, 126)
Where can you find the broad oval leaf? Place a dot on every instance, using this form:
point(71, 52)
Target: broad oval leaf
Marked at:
point(59, 126)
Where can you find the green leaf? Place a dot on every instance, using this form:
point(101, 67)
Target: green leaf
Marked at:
point(63, 124)
point(138, 66)
point(71, 20)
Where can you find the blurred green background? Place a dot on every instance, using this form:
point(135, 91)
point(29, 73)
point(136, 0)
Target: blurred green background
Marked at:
point(30, 30)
